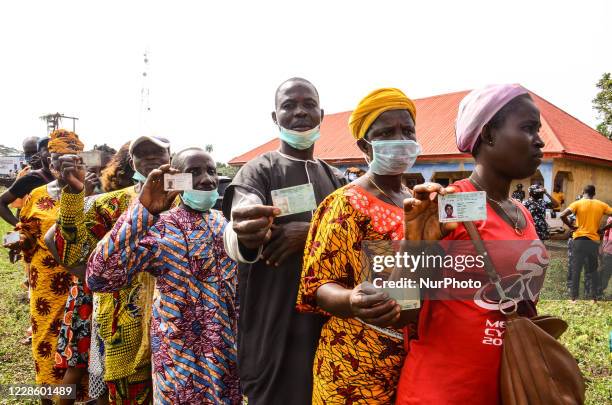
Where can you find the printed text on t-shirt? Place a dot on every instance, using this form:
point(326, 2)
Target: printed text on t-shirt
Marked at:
point(494, 332)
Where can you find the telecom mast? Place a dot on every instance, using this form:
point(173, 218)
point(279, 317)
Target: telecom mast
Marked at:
point(145, 102)
point(54, 120)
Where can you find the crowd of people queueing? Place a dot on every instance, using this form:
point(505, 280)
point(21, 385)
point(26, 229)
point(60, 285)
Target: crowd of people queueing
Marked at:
point(143, 295)
point(589, 245)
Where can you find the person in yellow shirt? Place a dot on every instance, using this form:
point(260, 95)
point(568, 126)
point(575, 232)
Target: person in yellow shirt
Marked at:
point(558, 195)
point(589, 213)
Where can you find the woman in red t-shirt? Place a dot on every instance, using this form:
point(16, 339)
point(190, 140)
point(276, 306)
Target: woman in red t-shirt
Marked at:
point(456, 357)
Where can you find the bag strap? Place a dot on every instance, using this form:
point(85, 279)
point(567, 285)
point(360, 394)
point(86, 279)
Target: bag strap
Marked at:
point(482, 250)
point(489, 267)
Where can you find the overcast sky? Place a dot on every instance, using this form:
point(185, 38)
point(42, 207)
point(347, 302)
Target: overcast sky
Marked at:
point(214, 66)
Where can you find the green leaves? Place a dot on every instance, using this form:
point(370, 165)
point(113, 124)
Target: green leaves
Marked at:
point(602, 103)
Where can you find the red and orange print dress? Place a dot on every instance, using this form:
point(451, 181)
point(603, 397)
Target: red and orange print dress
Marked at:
point(49, 282)
point(354, 363)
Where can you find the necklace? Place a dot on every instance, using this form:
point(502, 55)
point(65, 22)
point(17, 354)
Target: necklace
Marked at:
point(499, 204)
point(385, 194)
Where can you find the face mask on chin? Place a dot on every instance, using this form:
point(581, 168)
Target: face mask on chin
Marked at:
point(200, 200)
point(393, 157)
point(139, 177)
point(299, 140)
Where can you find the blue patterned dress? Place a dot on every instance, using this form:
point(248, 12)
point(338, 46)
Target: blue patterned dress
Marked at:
point(195, 310)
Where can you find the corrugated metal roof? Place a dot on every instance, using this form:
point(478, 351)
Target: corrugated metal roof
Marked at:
point(435, 128)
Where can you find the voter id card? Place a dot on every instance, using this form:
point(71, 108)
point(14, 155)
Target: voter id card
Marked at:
point(462, 207)
point(11, 238)
point(294, 200)
point(91, 158)
point(399, 284)
point(178, 182)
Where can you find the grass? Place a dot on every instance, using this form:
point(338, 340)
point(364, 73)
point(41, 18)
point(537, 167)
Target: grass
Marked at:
point(586, 338)
point(556, 275)
point(589, 328)
point(16, 364)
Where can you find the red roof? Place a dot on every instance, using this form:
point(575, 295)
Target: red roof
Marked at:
point(564, 135)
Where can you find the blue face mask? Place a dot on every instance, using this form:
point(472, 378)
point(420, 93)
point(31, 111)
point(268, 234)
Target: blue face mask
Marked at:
point(200, 200)
point(393, 157)
point(139, 177)
point(300, 140)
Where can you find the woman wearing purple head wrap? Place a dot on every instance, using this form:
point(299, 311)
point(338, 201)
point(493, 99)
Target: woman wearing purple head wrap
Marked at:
point(478, 108)
point(456, 357)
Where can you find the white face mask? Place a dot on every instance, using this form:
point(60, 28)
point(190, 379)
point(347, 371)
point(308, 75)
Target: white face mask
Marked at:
point(300, 140)
point(393, 157)
point(139, 177)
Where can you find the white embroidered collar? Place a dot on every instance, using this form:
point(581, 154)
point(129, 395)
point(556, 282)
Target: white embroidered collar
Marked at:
point(295, 159)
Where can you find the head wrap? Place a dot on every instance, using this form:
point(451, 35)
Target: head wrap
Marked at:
point(63, 141)
point(478, 107)
point(376, 103)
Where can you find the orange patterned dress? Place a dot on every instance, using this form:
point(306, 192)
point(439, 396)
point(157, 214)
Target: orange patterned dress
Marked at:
point(49, 282)
point(354, 363)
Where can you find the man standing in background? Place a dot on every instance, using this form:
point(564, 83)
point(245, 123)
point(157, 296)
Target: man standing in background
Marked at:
point(559, 196)
point(605, 269)
point(589, 213)
point(28, 182)
point(519, 194)
point(537, 207)
point(30, 150)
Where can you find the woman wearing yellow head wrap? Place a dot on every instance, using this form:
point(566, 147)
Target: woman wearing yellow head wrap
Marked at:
point(62, 141)
point(376, 103)
point(49, 282)
point(360, 353)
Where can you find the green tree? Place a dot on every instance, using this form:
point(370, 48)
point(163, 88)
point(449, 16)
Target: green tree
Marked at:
point(226, 170)
point(602, 103)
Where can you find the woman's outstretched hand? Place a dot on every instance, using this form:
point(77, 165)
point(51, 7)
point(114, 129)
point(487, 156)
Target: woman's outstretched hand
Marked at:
point(421, 213)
